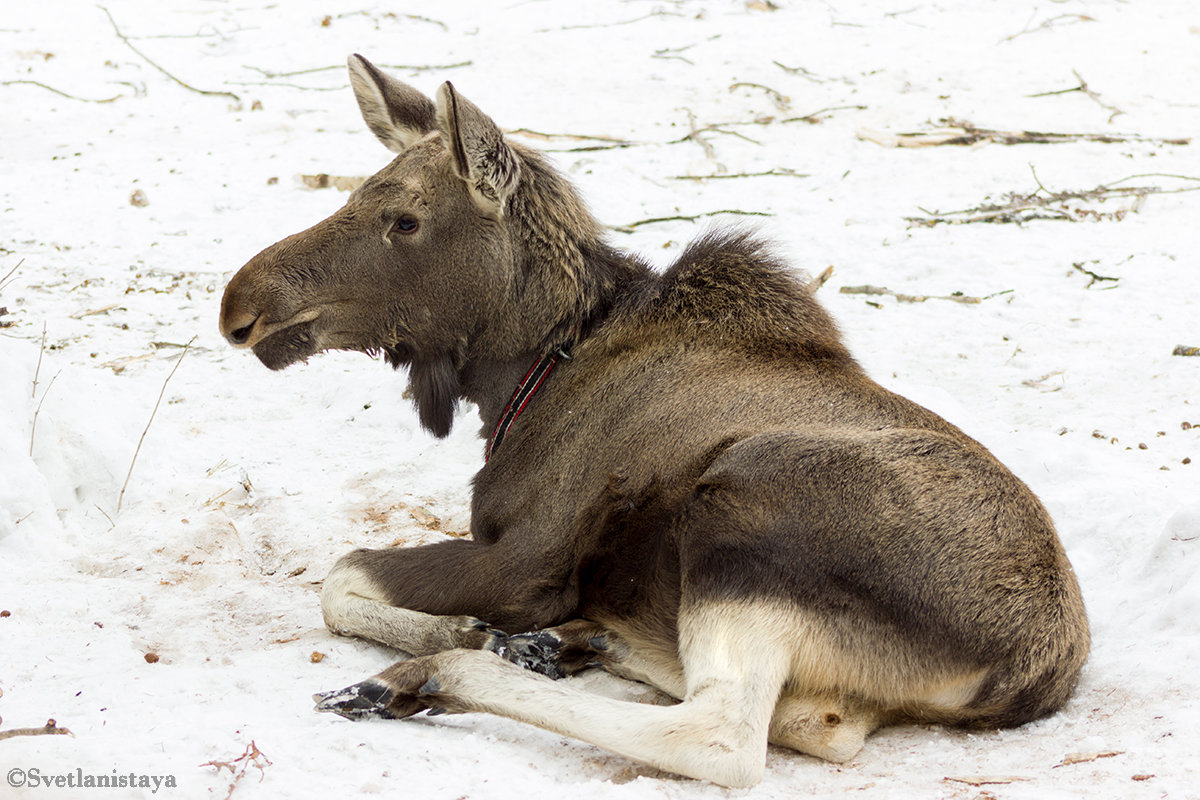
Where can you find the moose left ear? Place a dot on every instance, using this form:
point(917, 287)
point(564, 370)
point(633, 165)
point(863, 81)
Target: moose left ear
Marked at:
point(481, 156)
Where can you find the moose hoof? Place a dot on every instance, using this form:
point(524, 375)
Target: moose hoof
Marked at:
point(537, 651)
point(366, 700)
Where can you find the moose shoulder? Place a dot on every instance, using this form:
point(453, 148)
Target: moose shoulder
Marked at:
point(689, 481)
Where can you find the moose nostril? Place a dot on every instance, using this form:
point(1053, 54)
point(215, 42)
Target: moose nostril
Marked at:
point(241, 335)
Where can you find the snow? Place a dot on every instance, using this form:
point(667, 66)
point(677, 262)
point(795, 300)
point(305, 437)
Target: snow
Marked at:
point(249, 484)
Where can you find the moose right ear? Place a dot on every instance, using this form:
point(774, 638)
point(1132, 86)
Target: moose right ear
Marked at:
point(395, 112)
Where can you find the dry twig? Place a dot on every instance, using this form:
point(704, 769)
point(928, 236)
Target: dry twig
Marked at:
point(158, 67)
point(957, 132)
point(142, 438)
point(5, 280)
point(61, 92)
point(1083, 87)
point(815, 117)
point(611, 141)
point(985, 780)
point(238, 766)
point(705, 145)
point(819, 281)
point(1095, 278)
point(1084, 758)
point(955, 297)
point(38, 410)
point(38, 369)
point(1070, 206)
point(782, 172)
point(266, 73)
point(1052, 22)
point(49, 729)
point(629, 227)
point(781, 101)
point(658, 12)
point(810, 75)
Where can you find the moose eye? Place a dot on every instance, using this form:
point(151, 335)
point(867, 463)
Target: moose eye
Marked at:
point(406, 224)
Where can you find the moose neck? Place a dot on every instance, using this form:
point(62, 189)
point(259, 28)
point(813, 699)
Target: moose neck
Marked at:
point(568, 280)
point(491, 382)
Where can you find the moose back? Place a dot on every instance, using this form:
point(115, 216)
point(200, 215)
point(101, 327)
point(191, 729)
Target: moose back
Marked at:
point(689, 481)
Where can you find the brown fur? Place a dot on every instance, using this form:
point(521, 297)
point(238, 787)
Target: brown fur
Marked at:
point(710, 468)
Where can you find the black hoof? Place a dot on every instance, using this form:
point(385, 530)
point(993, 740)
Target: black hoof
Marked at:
point(366, 700)
point(489, 638)
point(537, 651)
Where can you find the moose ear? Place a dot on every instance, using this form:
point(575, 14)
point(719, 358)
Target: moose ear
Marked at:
point(481, 156)
point(395, 112)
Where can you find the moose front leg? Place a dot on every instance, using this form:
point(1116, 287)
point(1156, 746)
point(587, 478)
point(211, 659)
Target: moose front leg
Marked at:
point(423, 600)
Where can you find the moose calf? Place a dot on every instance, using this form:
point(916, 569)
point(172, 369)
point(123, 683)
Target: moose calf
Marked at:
point(688, 480)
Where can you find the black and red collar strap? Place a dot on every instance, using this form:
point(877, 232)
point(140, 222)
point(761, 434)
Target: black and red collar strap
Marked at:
point(520, 398)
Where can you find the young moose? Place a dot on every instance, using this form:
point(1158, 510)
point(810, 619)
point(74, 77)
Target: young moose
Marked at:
point(702, 491)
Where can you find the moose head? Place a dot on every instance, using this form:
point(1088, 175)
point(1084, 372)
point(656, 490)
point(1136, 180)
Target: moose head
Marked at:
point(464, 250)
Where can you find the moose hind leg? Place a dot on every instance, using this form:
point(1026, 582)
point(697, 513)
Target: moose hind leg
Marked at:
point(353, 605)
point(825, 727)
point(735, 668)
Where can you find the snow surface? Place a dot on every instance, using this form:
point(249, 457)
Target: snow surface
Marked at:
point(250, 483)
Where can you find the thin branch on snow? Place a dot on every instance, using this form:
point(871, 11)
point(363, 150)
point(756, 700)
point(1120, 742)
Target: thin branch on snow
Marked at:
point(1052, 22)
point(1095, 278)
point(781, 101)
point(266, 73)
point(38, 369)
point(961, 133)
point(61, 92)
point(629, 227)
point(814, 117)
point(1041, 203)
point(1086, 758)
point(673, 53)
point(819, 281)
point(812, 76)
point(4, 281)
point(38, 410)
point(988, 780)
point(142, 438)
point(577, 137)
point(49, 729)
point(782, 172)
point(658, 12)
point(955, 297)
point(1083, 87)
point(705, 145)
point(393, 15)
point(157, 66)
point(238, 766)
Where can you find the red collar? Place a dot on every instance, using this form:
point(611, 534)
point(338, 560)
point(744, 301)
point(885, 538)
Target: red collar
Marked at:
point(520, 398)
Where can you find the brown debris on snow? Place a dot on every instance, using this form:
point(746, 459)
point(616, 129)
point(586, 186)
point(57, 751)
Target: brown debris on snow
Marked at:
point(1085, 758)
point(961, 133)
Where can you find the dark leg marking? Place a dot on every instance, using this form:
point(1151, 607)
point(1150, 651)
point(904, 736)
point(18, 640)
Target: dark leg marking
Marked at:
point(365, 700)
point(392, 694)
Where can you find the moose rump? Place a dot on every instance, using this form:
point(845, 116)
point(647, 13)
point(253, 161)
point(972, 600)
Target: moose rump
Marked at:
point(693, 484)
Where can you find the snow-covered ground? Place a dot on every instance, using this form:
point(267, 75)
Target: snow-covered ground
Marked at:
point(249, 483)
